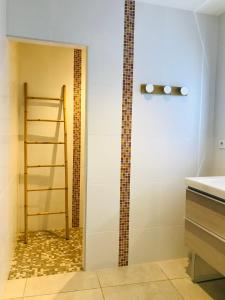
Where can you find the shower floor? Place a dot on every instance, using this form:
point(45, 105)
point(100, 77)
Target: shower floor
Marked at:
point(47, 253)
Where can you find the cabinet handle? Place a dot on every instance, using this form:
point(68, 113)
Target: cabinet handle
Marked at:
point(206, 230)
point(206, 196)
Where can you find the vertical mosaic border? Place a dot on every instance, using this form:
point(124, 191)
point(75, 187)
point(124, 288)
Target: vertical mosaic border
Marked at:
point(76, 138)
point(128, 64)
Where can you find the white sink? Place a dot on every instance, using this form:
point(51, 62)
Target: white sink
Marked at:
point(211, 185)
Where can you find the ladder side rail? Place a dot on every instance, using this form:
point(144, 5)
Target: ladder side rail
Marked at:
point(25, 165)
point(66, 162)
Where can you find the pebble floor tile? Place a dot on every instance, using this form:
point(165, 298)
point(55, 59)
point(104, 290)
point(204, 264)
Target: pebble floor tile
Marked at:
point(47, 253)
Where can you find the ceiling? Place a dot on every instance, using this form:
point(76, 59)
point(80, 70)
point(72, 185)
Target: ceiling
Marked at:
point(212, 7)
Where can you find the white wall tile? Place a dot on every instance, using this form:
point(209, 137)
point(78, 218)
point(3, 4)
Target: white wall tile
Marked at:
point(105, 115)
point(172, 203)
point(103, 208)
point(103, 159)
point(219, 134)
point(144, 245)
point(156, 243)
point(145, 205)
point(102, 250)
point(171, 242)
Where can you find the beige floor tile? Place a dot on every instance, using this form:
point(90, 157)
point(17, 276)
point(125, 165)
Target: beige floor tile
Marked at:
point(132, 274)
point(190, 291)
point(160, 290)
point(175, 268)
point(95, 294)
point(216, 289)
point(14, 288)
point(61, 283)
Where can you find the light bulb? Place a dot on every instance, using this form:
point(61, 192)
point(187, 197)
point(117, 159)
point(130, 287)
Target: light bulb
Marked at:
point(184, 91)
point(149, 88)
point(167, 89)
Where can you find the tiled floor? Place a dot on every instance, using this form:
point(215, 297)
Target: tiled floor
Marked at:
point(47, 253)
point(159, 281)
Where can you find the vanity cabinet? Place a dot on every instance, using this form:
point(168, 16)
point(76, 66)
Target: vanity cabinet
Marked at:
point(206, 211)
point(205, 234)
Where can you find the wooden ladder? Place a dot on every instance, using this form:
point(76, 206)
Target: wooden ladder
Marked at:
point(27, 166)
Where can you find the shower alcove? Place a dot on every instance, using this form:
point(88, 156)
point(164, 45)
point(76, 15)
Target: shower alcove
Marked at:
point(46, 68)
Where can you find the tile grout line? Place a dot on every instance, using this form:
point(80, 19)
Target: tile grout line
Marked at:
point(168, 278)
point(25, 286)
point(158, 264)
point(103, 296)
point(56, 293)
point(171, 281)
point(141, 283)
point(178, 277)
point(135, 283)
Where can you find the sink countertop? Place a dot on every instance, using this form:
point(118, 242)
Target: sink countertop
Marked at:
point(211, 185)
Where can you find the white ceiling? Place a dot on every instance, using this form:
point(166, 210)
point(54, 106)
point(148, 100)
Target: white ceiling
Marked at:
point(212, 7)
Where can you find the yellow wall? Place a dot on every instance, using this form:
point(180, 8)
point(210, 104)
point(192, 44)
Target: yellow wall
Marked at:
point(45, 69)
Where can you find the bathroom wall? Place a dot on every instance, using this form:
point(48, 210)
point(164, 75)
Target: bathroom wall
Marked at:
point(8, 147)
point(219, 133)
point(45, 69)
point(171, 136)
point(45, 20)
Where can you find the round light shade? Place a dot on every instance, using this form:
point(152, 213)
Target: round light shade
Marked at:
point(184, 91)
point(167, 90)
point(149, 88)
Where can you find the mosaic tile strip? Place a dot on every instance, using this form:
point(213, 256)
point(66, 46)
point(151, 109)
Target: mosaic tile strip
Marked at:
point(76, 138)
point(128, 62)
point(47, 253)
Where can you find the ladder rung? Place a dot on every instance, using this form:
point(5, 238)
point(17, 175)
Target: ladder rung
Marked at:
point(46, 166)
point(60, 102)
point(45, 120)
point(46, 213)
point(44, 143)
point(44, 98)
point(47, 189)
